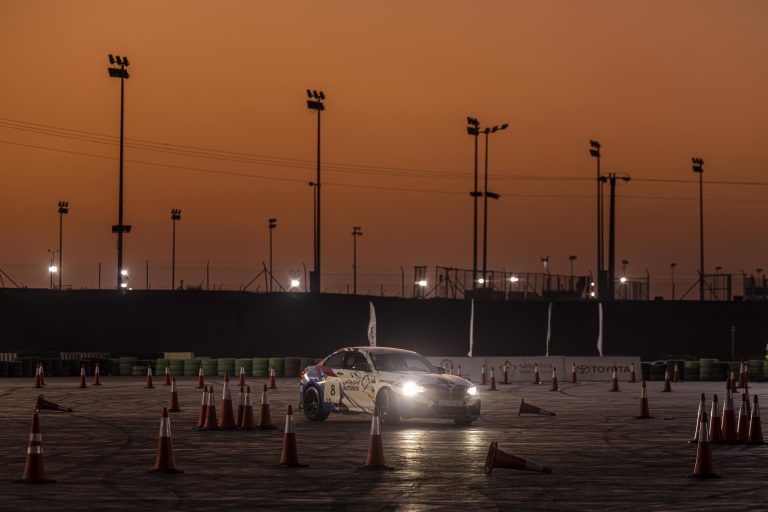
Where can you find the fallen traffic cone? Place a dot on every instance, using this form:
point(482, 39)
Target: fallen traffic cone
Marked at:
point(167, 381)
point(715, 434)
point(174, 405)
point(728, 424)
point(200, 378)
point(82, 376)
point(643, 412)
point(289, 456)
point(43, 404)
point(483, 382)
point(505, 375)
point(615, 381)
point(573, 373)
point(210, 422)
point(667, 385)
point(742, 427)
point(375, 458)
point(226, 418)
point(38, 382)
point(247, 422)
point(272, 382)
point(96, 376)
point(676, 374)
point(536, 377)
point(526, 408)
point(240, 407)
point(149, 384)
point(265, 417)
point(164, 462)
point(203, 409)
point(241, 382)
point(493, 381)
point(34, 471)
point(499, 459)
point(632, 376)
point(702, 406)
point(755, 429)
point(554, 387)
point(703, 466)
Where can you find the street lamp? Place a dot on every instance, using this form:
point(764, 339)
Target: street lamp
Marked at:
point(295, 283)
point(175, 215)
point(356, 232)
point(63, 210)
point(594, 151)
point(272, 224)
point(672, 271)
point(698, 167)
point(545, 262)
point(473, 129)
point(487, 131)
point(121, 73)
point(315, 102)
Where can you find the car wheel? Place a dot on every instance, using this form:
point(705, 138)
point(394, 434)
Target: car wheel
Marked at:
point(387, 407)
point(463, 422)
point(313, 409)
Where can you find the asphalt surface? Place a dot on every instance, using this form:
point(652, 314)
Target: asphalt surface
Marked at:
point(602, 458)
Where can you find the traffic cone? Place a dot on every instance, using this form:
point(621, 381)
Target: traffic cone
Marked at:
point(632, 376)
point(203, 409)
point(493, 381)
point(743, 375)
point(96, 376)
point(667, 385)
point(247, 422)
point(676, 374)
point(174, 405)
point(265, 417)
point(289, 456)
point(734, 384)
point(505, 374)
point(536, 378)
point(82, 376)
point(554, 387)
point(615, 379)
point(375, 459)
point(226, 418)
point(715, 434)
point(38, 382)
point(755, 429)
point(272, 382)
point(149, 384)
point(703, 466)
point(240, 407)
point(210, 422)
point(241, 382)
point(164, 462)
point(499, 459)
point(34, 471)
point(573, 373)
point(728, 423)
point(746, 390)
point(702, 408)
point(526, 408)
point(42, 373)
point(483, 382)
point(43, 404)
point(742, 427)
point(643, 412)
point(200, 378)
point(167, 381)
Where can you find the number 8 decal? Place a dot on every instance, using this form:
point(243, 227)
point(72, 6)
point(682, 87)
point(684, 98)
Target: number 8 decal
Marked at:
point(333, 390)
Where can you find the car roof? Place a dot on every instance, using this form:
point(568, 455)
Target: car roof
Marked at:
point(379, 350)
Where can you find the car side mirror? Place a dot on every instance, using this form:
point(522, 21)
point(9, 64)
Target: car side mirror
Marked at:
point(441, 369)
point(361, 367)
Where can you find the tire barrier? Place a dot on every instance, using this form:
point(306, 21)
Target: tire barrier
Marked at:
point(691, 370)
point(278, 363)
point(292, 366)
point(260, 367)
point(191, 367)
point(226, 365)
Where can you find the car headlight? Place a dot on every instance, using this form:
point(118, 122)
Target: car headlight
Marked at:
point(411, 389)
point(472, 391)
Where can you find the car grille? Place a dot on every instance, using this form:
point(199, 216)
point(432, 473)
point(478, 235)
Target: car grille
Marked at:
point(442, 393)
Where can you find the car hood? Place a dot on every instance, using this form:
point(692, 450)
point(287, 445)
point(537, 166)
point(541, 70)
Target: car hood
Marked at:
point(442, 380)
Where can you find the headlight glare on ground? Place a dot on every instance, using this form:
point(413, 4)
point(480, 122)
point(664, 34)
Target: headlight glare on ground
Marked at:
point(411, 389)
point(472, 391)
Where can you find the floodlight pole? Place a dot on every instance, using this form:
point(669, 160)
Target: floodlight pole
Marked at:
point(356, 231)
point(175, 215)
point(272, 224)
point(474, 130)
point(63, 208)
point(612, 236)
point(486, 195)
point(698, 167)
point(315, 102)
point(122, 73)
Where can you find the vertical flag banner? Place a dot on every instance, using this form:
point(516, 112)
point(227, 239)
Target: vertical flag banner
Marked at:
point(471, 328)
point(600, 328)
point(549, 326)
point(372, 326)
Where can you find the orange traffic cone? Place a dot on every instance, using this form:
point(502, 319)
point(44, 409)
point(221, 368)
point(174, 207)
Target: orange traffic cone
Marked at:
point(499, 459)
point(149, 384)
point(375, 459)
point(210, 412)
point(42, 374)
point(755, 429)
point(483, 382)
point(703, 467)
point(82, 376)
point(536, 378)
point(242, 375)
point(38, 382)
point(702, 408)
point(632, 375)
point(174, 405)
point(265, 417)
point(247, 422)
point(164, 462)
point(493, 381)
point(734, 384)
point(167, 381)
point(615, 381)
point(676, 374)
point(743, 370)
point(728, 424)
point(289, 456)
point(272, 382)
point(715, 434)
point(742, 427)
point(96, 376)
point(526, 408)
point(43, 404)
point(34, 471)
point(667, 385)
point(240, 407)
point(643, 412)
point(554, 387)
point(200, 378)
point(203, 409)
point(226, 418)
point(573, 373)
point(505, 374)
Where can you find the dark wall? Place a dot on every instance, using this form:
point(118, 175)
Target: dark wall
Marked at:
point(245, 324)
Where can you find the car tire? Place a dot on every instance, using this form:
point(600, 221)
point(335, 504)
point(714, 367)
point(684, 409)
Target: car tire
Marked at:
point(387, 404)
point(313, 409)
point(464, 422)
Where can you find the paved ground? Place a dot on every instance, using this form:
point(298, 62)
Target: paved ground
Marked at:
point(602, 458)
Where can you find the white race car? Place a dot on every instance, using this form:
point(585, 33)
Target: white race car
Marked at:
point(402, 383)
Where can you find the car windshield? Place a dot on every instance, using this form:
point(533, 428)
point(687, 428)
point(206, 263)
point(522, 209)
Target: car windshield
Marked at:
point(401, 362)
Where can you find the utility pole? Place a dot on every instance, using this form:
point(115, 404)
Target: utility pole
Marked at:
point(63, 210)
point(473, 129)
point(175, 216)
point(272, 224)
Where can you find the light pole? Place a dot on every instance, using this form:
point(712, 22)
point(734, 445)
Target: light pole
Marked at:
point(474, 130)
point(698, 167)
point(594, 151)
point(52, 268)
point(487, 131)
point(612, 235)
point(272, 224)
point(356, 232)
point(672, 272)
point(121, 73)
point(63, 210)
point(572, 258)
point(175, 215)
point(315, 102)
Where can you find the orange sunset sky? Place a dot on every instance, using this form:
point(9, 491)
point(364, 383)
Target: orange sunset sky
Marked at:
point(656, 82)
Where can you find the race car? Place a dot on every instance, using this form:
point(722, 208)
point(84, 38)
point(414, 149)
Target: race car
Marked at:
point(403, 384)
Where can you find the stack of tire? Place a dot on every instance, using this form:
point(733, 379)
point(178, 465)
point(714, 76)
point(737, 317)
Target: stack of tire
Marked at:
point(278, 364)
point(691, 370)
point(15, 369)
point(645, 367)
point(705, 368)
point(52, 366)
point(125, 365)
point(29, 366)
point(247, 364)
point(720, 371)
point(210, 366)
point(756, 369)
point(226, 365)
point(260, 367)
point(177, 367)
point(306, 361)
point(4, 368)
point(292, 366)
point(657, 370)
point(191, 367)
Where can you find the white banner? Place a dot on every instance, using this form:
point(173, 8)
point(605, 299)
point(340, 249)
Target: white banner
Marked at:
point(601, 368)
point(372, 326)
